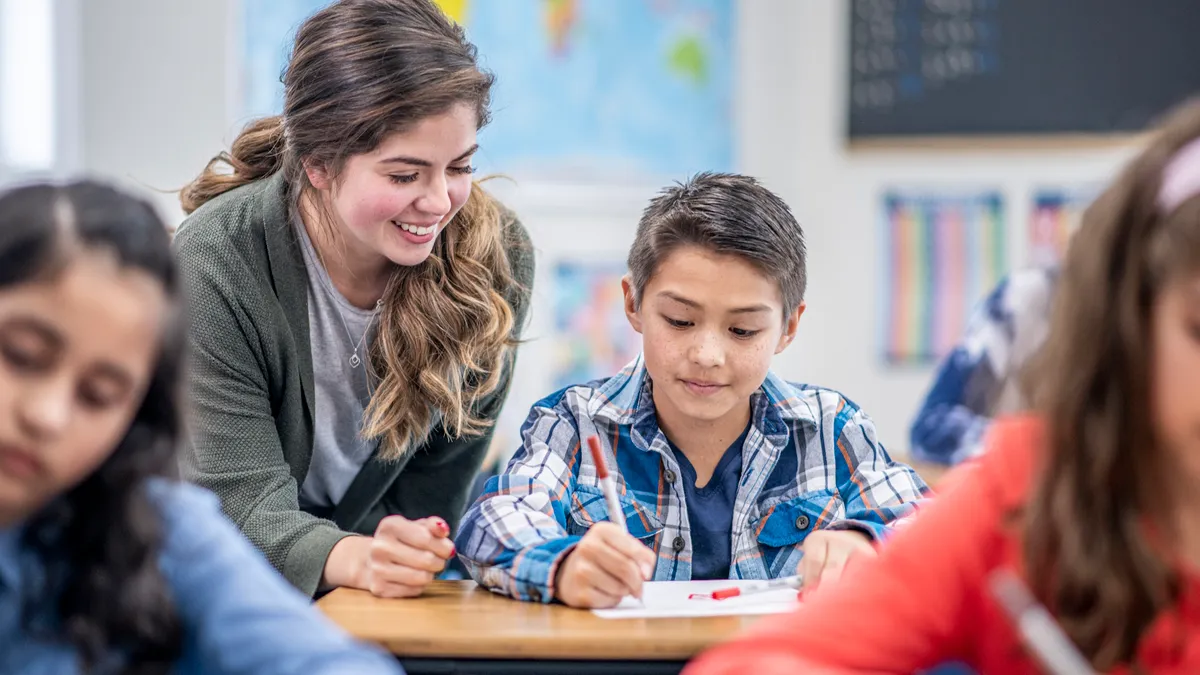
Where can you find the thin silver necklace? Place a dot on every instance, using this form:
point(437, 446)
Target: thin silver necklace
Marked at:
point(354, 360)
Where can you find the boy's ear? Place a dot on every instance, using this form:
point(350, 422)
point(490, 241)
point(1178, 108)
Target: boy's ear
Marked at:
point(631, 312)
point(789, 329)
point(318, 175)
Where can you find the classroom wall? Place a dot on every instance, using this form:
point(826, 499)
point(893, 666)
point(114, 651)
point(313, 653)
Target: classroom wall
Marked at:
point(154, 89)
point(794, 84)
point(158, 122)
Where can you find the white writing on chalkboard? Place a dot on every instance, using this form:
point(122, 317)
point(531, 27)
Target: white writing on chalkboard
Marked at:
point(902, 48)
point(1017, 67)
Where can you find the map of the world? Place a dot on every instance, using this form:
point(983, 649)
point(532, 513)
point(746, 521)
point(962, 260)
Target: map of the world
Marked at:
point(586, 89)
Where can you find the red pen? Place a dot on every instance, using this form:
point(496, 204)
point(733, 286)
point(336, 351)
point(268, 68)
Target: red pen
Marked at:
point(758, 587)
point(615, 513)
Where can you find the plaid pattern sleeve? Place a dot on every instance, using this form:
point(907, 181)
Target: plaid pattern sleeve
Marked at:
point(877, 492)
point(514, 536)
point(977, 380)
point(810, 461)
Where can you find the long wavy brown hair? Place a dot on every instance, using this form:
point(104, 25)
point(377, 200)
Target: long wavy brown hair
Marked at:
point(361, 70)
point(1095, 508)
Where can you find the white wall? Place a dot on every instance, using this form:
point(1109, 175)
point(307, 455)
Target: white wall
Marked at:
point(155, 89)
point(156, 106)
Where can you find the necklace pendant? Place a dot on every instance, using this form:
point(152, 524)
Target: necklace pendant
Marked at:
point(354, 360)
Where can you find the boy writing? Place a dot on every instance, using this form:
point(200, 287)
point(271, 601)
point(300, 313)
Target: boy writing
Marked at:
point(725, 470)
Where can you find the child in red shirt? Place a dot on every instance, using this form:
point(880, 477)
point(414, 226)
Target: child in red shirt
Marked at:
point(1094, 503)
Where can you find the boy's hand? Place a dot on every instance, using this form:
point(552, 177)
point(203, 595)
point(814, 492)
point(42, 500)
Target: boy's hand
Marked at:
point(605, 566)
point(826, 553)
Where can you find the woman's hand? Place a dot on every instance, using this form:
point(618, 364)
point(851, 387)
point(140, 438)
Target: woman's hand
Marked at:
point(401, 559)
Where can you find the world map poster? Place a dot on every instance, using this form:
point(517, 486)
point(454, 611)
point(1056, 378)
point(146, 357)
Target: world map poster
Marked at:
point(588, 90)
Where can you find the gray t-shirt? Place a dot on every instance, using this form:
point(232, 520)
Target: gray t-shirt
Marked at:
point(342, 391)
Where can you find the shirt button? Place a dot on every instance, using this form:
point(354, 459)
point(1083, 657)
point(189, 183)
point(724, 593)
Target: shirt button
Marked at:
point(678, 544)
point(670, 476)
point(802, 523)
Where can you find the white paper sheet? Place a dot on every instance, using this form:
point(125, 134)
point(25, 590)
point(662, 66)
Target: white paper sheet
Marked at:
point(669, 599)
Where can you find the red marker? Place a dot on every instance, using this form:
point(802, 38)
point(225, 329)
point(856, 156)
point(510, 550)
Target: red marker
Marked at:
point(758, 587)
point(615, 513)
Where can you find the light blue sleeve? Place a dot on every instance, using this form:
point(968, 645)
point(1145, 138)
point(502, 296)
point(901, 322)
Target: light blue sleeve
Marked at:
point(239, 616)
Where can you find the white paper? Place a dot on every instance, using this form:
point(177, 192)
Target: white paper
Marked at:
point(670, 599)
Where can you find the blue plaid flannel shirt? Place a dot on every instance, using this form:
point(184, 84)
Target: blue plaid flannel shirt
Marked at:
point(979, 379)
point(810, 461)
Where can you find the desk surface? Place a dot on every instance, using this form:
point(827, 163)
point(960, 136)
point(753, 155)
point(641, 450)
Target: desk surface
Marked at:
point(457, 619)
point(931, 473)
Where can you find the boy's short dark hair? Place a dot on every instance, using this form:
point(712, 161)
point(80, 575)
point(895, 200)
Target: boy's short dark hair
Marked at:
point(725, 213)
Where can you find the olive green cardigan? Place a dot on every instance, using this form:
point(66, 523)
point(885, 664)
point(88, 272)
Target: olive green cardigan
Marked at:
point(251, 389)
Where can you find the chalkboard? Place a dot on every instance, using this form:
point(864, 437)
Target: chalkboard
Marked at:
point(1028, 67)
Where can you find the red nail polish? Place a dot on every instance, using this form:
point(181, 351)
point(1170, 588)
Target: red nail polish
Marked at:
point(453, 551)
point(442, 526)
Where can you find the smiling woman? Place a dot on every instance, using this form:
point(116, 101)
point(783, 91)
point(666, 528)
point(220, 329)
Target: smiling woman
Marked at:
point(358, 298)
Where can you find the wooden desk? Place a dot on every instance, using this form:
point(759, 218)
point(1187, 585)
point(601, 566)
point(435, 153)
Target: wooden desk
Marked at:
point(457, 627)
point(929, 472)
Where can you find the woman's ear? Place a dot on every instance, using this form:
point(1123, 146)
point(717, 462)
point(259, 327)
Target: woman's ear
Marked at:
point(631, 305)
point(789, 328)
point(318, 175)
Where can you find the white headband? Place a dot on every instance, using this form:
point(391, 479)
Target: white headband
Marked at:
point(1181, 178)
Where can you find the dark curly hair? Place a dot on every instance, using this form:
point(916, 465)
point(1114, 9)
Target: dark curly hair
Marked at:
point(102, 591)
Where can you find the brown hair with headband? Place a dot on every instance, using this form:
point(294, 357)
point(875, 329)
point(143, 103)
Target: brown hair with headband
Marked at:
point(1087, 547)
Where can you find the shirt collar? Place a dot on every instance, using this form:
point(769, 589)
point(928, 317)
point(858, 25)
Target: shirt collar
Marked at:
point(626, 399)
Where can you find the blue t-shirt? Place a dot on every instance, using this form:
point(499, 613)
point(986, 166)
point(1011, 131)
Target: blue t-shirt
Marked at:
point(710, 510)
